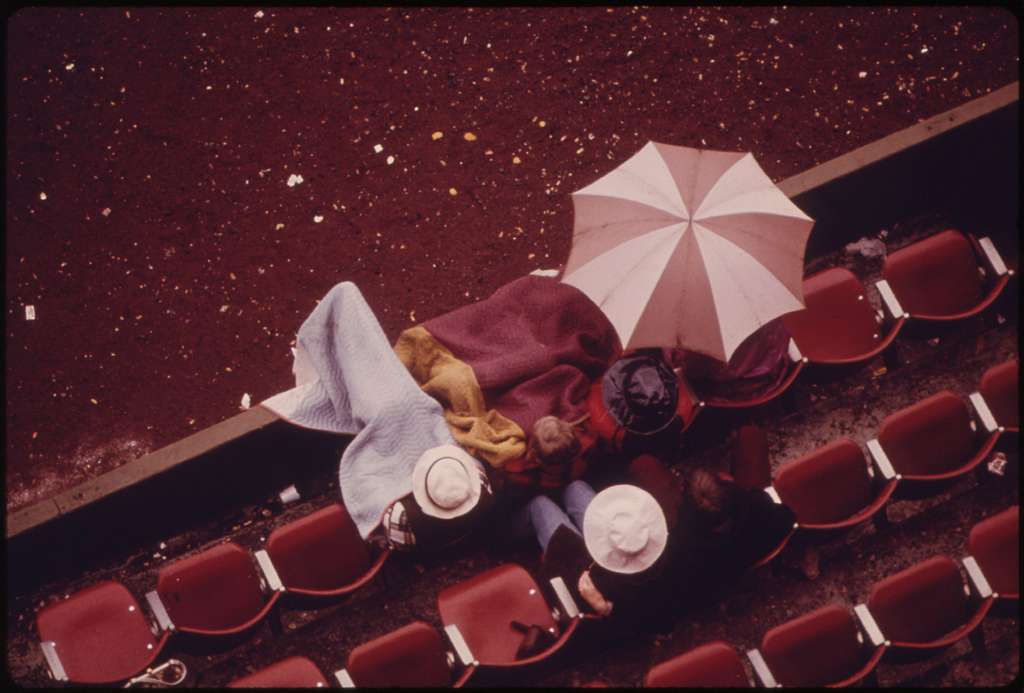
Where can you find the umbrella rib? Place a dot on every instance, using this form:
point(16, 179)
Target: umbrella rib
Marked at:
point(583, 231)
point(640, 261)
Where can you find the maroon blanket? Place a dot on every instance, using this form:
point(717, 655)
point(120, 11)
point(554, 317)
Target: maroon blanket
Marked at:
point(535, 345)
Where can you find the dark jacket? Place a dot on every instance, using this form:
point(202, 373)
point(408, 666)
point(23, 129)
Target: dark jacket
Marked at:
point(641, 601)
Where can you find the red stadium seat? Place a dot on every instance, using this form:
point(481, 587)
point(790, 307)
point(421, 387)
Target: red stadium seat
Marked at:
point(926, 606)
point(714, 665)
point(216, 592)
point(937, 279)
point(97, 636)
point(838, 326)
point(322, 554)
point(822, 648)
point(999, 387)
point(484, 606)
point(294, 672)
point(829, 488)
point(995, 544)
point(933, 439)
point(415, 655)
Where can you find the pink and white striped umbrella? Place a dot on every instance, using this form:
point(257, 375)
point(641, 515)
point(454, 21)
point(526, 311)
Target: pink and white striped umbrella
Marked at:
point(689, 248)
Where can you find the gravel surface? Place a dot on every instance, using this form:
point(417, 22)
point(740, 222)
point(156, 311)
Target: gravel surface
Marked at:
point(184, 184)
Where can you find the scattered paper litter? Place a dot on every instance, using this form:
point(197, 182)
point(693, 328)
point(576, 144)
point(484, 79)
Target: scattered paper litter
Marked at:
point(294, 180)
point(378, 148)
point(106, 211)
point(246, 401)
point(437, 135)
point(391, 160)
point(30, 312)
point(317, 219)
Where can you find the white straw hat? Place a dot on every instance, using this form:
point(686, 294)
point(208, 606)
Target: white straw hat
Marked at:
point(624, 529)
point(446, 481)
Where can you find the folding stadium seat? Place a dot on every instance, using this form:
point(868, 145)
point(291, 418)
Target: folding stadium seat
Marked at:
point(484, 606)
point(822, 648)
point(833, 487)
point(294, 672)
point(939, 279)
point(216, 592)
point(839, 325)
point(928, 606)
point(415, 655)
point(995, 545)
point(320, 555)
point(714, 665)
point(932, 440)
point(797, 363)
point(97, 636)
point(999, 387)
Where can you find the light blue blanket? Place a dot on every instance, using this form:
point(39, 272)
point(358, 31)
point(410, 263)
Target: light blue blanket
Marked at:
point(348, 380)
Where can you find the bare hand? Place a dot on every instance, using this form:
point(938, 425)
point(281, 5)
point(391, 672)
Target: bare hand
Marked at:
point(589, 592)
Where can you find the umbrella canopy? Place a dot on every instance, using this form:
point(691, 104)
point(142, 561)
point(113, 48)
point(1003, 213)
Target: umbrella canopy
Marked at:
point(689, 248)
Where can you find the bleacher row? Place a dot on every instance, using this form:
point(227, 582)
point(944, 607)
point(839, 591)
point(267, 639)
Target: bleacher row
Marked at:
point(943, 278)
point(101, 635)
point(927, 606)
point(934, 440)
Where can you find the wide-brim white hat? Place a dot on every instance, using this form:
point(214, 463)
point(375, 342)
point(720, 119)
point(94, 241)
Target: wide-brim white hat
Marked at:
point(625, 529)
point(447, 481)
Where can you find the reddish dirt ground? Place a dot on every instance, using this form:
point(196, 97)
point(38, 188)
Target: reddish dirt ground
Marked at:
point(151, 226)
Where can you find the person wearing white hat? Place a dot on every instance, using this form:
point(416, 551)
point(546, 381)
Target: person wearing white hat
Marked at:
point(450, 493)
point(611, 548)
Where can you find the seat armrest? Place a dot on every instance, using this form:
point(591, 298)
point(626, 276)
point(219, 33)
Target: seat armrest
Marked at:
point(761, 669)
point(889, 300)
point(869, 625)
point(983, 412)
point(459, 644)
point(993, 260)
point(270, 575)
point(979, 585)
point(794, 352)
point(49, 648)
point(881, 460)
point(565, 599)
point(344, 680)
point(163, 620)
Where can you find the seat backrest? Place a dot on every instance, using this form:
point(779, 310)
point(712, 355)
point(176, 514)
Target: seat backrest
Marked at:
point(412, 656)
point(930, 436)
point(322, 551)
point(838, 321)
point(293, 672)
point(714, 665)
point(217, 589)
point(826, 485)
point(100, 632)
point(999, 386)
point(484, 606)
point(935, 276)
point(815, 649)
point(995, 544)
point(922, 603)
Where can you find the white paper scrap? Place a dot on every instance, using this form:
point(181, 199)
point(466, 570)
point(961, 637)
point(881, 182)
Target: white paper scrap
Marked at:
point(30, 312)
point(246, 401)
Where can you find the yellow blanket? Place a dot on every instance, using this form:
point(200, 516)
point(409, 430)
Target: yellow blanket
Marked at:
point(490, 435)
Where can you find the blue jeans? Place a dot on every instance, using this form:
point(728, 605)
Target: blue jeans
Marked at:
point(543, 516)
